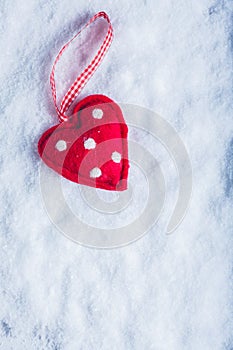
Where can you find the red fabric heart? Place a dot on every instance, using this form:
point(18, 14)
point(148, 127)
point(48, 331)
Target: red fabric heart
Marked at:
point(90, 148)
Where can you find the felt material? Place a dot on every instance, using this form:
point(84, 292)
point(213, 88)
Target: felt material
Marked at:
point(88, 140)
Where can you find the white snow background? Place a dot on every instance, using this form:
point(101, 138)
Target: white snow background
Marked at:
point(161, 292)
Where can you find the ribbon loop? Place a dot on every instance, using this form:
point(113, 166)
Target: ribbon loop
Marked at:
point(83, 78)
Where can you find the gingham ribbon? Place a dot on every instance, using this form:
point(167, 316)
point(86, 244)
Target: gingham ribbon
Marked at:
point(83, 78)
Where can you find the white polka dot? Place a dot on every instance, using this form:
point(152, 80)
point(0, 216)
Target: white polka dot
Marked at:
point(89, 143)
point(95, 172)
point(116, 157)
point(97, 113)
point(61, 145)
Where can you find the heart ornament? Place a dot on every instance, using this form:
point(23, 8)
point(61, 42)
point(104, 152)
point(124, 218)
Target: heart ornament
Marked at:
point(90, 147)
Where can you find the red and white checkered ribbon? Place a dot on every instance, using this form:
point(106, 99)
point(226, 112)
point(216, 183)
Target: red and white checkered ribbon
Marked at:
point(83, 78)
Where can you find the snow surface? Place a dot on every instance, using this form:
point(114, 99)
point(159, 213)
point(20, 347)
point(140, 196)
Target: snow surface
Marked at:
point(162, 292)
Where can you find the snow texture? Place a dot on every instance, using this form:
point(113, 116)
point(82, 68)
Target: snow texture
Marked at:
point(162, 292)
